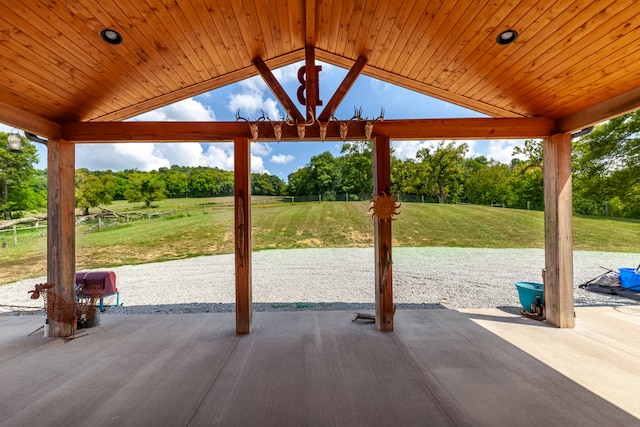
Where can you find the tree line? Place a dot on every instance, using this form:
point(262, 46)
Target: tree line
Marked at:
point(606, 176)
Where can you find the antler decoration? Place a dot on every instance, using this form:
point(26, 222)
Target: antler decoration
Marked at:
point(368, 126)
point(301, 127)
point(385, 207)
point(323, 130)
point(277, 128)
point(344, 124)
point(253, 127)
point(323, 126)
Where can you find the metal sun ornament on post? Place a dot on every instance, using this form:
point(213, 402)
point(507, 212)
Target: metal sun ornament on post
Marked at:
point(385, 207)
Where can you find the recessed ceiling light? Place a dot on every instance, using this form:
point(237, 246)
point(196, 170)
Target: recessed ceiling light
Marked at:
point(507, 37)
point(111, 36)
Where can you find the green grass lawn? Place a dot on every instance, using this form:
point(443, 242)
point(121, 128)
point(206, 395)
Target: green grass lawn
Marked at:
point(205, 227)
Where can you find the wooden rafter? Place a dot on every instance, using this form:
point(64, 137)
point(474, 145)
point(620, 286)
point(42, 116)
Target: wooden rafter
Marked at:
point(472, 128)
point(277, 89)
point(23, 120)
point(613, 107)
point(342, 90)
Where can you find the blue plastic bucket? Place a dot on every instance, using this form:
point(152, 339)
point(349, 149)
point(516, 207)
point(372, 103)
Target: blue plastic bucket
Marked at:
point(629, 278)
point(527, 292)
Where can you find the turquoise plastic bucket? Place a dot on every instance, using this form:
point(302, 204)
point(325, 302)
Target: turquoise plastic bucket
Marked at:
point(527, 292)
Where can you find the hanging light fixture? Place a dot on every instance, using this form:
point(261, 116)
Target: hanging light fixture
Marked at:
point(15, 141)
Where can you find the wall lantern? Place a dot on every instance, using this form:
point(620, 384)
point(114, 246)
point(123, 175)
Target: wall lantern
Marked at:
point(507, 37)
point(15, 142)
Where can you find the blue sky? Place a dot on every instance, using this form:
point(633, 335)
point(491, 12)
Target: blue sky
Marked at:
point(252, 95)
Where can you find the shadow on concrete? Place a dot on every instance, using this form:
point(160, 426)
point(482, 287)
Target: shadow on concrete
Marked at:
point(301, 367)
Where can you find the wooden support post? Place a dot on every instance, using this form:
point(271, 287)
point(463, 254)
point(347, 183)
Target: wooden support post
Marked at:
point(311, 91)
point(61, 235)
point(558, 224)
point(382, 237)
point(242, 176)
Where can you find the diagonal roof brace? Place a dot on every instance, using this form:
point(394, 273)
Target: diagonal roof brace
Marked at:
point(277, 89)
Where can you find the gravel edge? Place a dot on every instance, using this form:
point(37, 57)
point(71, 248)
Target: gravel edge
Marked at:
point(339, 279)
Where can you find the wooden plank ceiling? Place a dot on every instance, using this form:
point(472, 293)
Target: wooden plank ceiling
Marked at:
point(574, 61)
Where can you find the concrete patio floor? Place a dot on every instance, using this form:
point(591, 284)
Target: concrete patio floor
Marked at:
point(439, 367)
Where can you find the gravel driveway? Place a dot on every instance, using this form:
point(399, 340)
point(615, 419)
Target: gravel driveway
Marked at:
point(342, 279)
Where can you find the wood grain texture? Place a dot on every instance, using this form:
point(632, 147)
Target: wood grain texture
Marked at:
point(242, 223)
point(61, 237)
point(558, 230)
point(569, 58)
point(475, 128)
point(383, 246)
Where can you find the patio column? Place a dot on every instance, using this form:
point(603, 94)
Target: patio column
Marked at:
point(242, 192)
point(558, 231)
point(61, 236)
point(382, 237)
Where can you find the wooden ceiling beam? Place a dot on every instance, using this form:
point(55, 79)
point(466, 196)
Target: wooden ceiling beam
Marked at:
point(418, 129)
point(99, 132)
point(277, 89)
point(310, 22)
point(470, 128)
point(343, 89)
point(26, 121)
point(618, 105)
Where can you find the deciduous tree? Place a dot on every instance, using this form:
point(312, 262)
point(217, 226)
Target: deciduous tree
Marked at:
point(145, 187)
point(16, 175)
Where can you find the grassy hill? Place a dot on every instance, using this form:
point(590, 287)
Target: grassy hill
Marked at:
point(195, 229)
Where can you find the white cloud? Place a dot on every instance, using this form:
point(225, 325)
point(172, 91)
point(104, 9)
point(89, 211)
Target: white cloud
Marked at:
point(380, 87)
point(282, 159)
point(179, 153)
point(255, 95)
point(141, 156)
point(152, 156)
point(288, 73)
point(260, 149)
point(187, 110)
point(407, 149)
point(218, 155)
point(499, 150)
point(253, 84)
point(250, 104)
point(257, 165)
